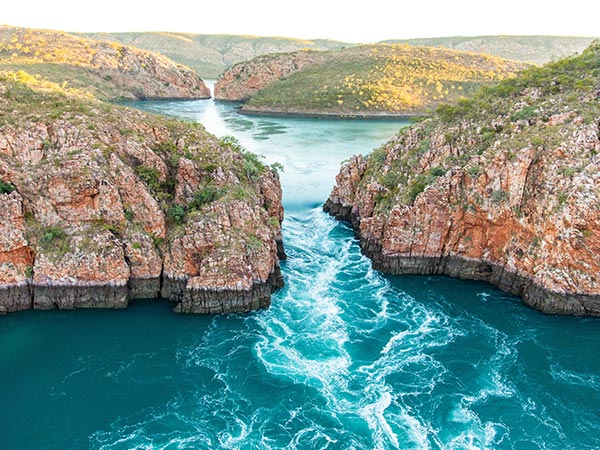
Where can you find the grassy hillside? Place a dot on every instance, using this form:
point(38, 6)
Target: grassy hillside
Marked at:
point(531, 49)
point(211, 54)
point(380, 79)
point(541, 108)
point(104, 70)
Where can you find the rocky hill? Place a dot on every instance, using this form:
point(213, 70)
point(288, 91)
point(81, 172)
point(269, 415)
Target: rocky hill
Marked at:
point(100, 204)
point(530, 49)
point(359, 81)
point(503, 187)
point(244, 80)
point(102, 69)
point(211, 54)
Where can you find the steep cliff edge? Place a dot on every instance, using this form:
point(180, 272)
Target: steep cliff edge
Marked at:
point(100, 204)
point(368, 80)
point(503, 187)
point(245, 79)
point(102, 69)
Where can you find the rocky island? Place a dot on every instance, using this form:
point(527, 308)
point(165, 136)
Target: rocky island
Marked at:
point(365, 81)
point(502, 187)
point(100, 204)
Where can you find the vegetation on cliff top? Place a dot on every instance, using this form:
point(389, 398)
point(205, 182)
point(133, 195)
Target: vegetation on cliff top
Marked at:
point(386, 79)
point(104, 70)
point(26, 99)
point(103, 179)
point(541, 108)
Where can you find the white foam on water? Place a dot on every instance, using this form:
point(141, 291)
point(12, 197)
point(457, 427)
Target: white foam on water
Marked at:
point(373, 413)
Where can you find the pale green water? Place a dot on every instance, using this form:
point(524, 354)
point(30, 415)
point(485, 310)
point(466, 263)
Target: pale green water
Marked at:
point(345, 358)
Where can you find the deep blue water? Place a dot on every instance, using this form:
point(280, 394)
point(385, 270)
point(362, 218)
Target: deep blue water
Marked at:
point(346, 358)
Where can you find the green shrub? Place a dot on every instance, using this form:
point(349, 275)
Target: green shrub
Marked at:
point(525, 114)
point(5, 187)
point(52, 234)
point(378, 155)
point(177, 213)
point(391, 179)
point(162, 190)
point(277, 167)
point(437, 171)
point(150, 176)
point(498, 196)
point(253, 243)
point(231, 143)
point(206, 195)
point(449, 113)
point(475, 171)
point(128, 213)
point(417, 186)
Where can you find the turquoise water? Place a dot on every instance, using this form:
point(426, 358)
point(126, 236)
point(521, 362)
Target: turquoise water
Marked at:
point(345, 358)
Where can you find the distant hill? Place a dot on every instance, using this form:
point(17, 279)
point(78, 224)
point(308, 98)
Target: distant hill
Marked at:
point(379, 79)
point(211, 54)
point(100, 69)
point(531, 49)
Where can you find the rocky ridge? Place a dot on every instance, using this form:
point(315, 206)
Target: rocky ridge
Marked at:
point(503, 187)
point(101, 204)
point(531, 49)
point(103, 69)
point(212, 54)
point(369, 80)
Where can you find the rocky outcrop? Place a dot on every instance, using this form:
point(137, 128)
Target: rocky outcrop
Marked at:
point(243, 80)
point(106, 70)
point(104, 204)
point(504, 188)
point(378, 81)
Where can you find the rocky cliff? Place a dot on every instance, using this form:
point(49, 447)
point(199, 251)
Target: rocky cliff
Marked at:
point(503, 187)
point(368, 80)
point(105, 70)
point(101, 204)
point(243, 80)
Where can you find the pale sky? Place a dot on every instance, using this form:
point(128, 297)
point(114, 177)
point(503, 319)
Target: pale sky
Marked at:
point(350, 21)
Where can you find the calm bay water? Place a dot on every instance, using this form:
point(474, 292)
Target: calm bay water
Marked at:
point(345, 358)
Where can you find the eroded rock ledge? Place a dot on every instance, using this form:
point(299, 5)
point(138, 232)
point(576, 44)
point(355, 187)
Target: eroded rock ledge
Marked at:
point(106, 204)
point(532, 293)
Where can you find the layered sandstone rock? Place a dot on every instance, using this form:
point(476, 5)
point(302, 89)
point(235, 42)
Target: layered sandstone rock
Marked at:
point(505, 188)
point(110, 204)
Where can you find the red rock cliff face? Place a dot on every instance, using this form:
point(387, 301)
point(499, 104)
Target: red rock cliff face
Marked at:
point(147, 75)
point(114, 204)
point(522, 213)
point(245, 79)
